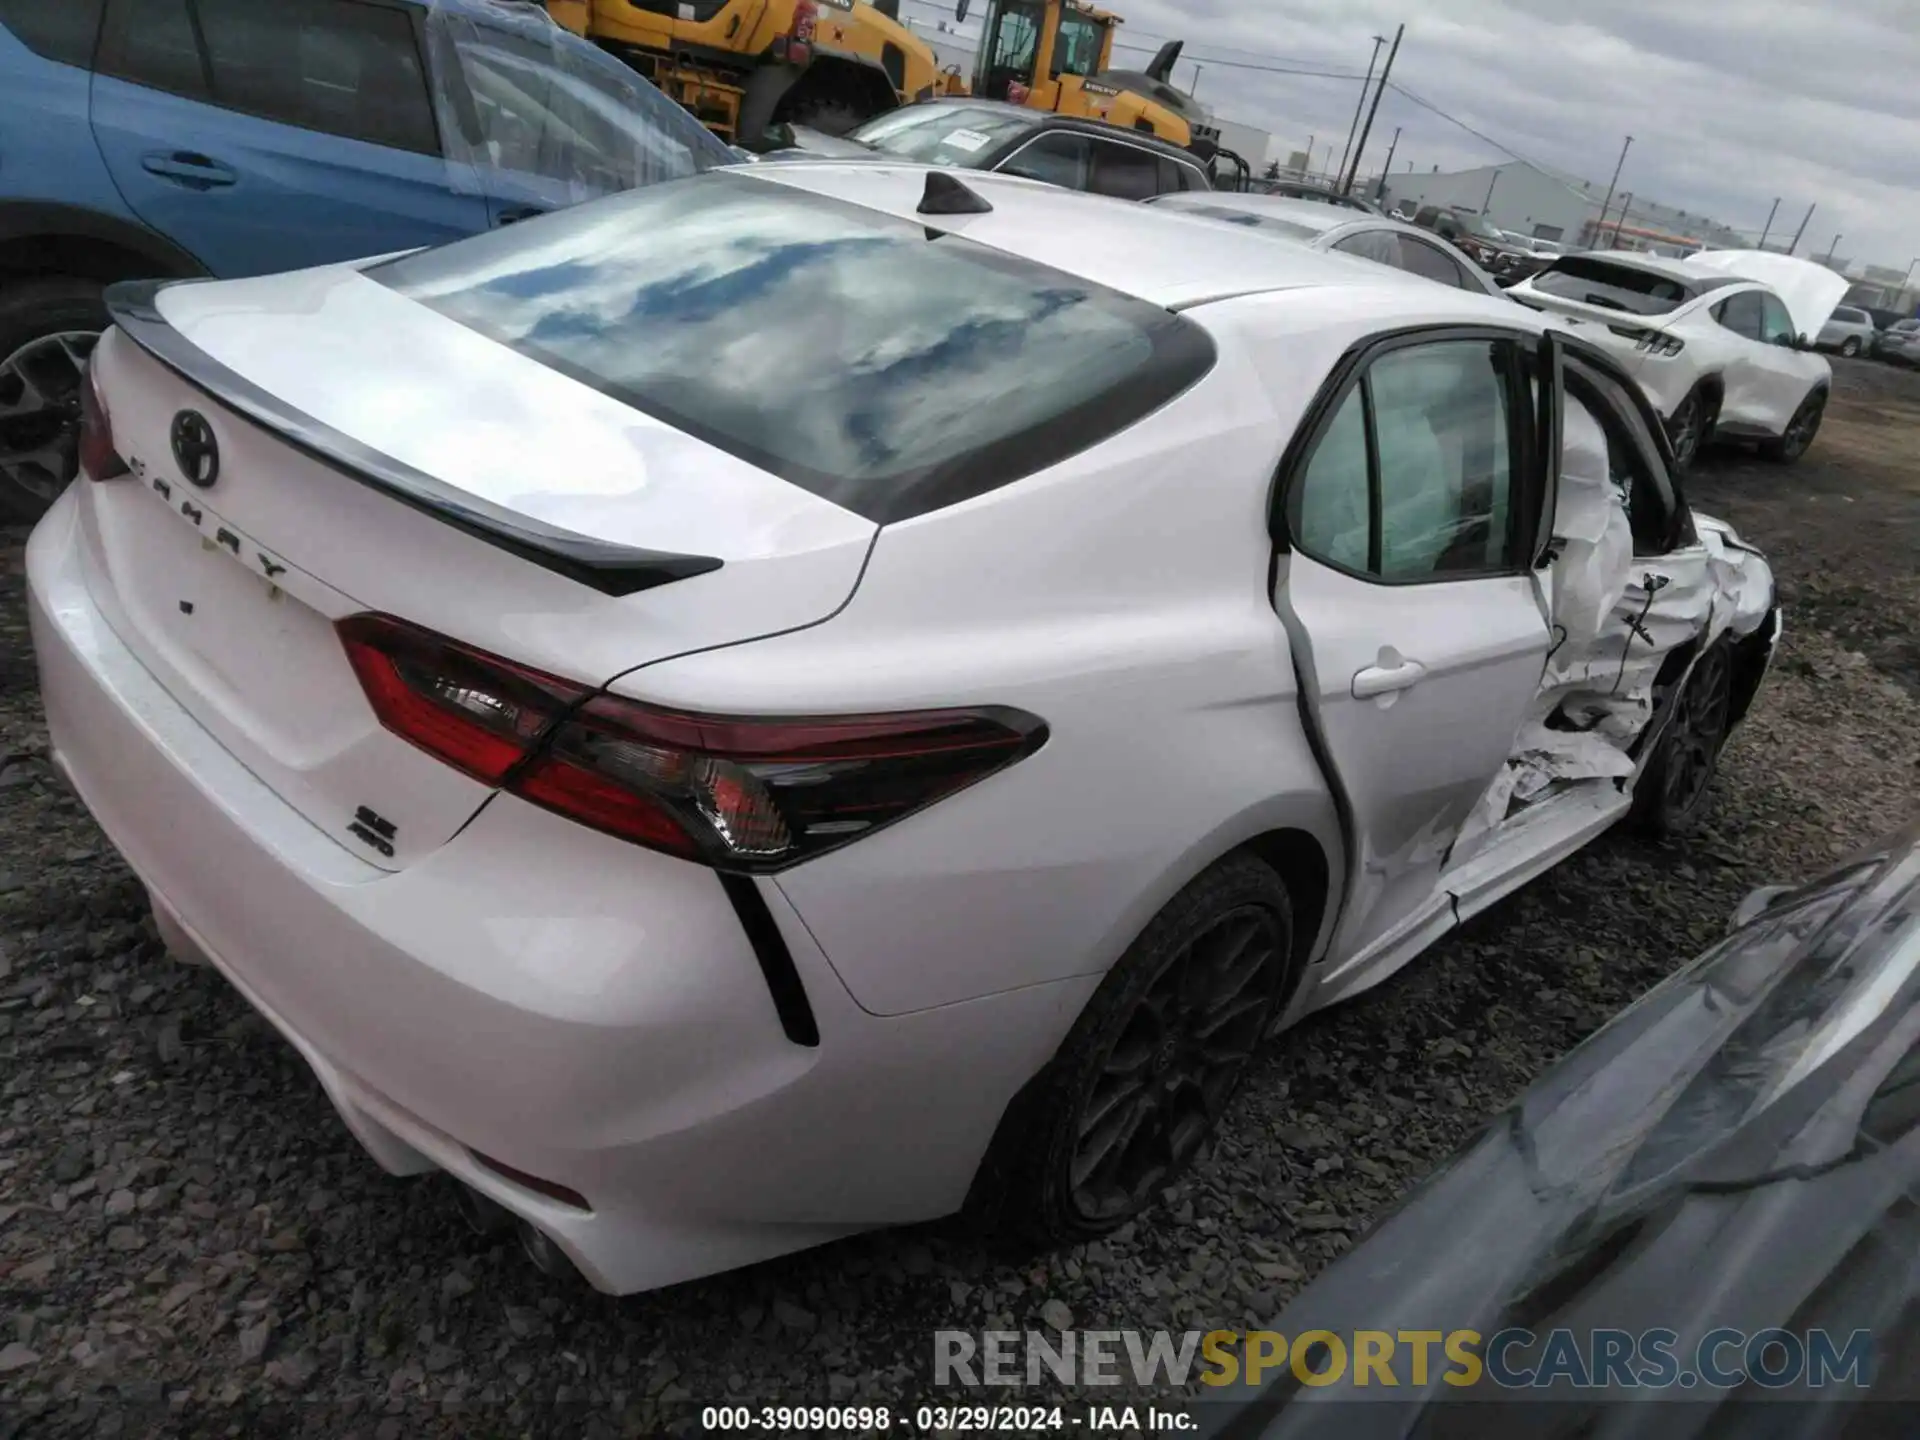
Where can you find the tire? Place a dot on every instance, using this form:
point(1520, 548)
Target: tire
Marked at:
point(1798, 436)
point(1674, 792)
point(1047, 1178)
point(1690, 428)
point(38, 455)
point(1850, 346)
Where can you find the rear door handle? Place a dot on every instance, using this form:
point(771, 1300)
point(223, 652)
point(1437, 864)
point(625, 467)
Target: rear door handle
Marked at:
point(1392, 674)
point(184, 167)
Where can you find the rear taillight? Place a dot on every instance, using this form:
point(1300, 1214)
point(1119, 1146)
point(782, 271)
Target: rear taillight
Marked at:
point(732, 792)
point(478, 713)
point(1651, 342)
point(99, 460)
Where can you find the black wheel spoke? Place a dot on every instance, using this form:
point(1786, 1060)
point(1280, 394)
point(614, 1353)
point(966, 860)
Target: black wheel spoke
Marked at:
point(40, 410)
point(1174, 1062)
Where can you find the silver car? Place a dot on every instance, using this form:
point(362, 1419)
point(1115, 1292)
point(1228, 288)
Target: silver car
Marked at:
point(1320, 226)
point(1851, 331)
point(1899, 342)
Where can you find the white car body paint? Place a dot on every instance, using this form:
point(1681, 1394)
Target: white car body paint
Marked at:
point(1762, 385)
point(512, 984)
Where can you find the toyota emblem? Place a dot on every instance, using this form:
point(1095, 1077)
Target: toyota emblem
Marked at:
point(195, 450)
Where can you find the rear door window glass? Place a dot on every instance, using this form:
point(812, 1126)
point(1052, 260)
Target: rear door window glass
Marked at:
point(1125, 171)
point(344, 67)
point(1058, 159)
point(889, 369)
point(1741, 314)
point(1431, 261)
point(151, 42)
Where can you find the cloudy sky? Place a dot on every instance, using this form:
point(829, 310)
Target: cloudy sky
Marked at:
point(1730, 104)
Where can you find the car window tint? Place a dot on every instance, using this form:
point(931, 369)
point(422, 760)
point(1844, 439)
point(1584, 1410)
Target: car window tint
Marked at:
point(62, 30)
point(339, 66)
point(1058, 159)
point(829, 344)
point(1328, 504)
point(1741, 313)
point(151, 42)
point(1430, 261)
point(1775, 323)
point(1440, 431)
point(1594, 280)
point(1380, 246)
point(1125, 171)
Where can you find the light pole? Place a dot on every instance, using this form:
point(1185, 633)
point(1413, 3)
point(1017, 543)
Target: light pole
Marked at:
point(1485, 205)
point(1361, 103)
point(1194, 89)
point(1380, 190)
point(1768, 230)
point(1613, 182)
point(1833, 247)
point(1803, 228)
point(1360, 148)
point(1626, 204)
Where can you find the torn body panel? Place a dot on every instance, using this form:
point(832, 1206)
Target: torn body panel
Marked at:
point(1623, 624)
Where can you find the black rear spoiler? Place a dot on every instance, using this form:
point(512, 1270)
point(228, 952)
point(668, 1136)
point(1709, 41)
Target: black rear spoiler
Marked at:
point(598, 564)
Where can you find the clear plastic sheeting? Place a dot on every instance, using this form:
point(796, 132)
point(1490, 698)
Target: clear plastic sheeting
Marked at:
point(519, 99)
point(1616, 617)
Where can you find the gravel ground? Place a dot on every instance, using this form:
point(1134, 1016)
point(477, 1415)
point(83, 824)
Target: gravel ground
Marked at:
point(185, 1225)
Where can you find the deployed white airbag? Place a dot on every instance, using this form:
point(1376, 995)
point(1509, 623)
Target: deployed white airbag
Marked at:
point(1616, 618)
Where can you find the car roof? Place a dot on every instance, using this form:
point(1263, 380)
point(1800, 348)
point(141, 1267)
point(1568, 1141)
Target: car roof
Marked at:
point(1149, 251)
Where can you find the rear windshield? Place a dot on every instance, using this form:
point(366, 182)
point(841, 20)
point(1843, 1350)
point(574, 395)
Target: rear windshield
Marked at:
point(942, 134)
point(1613, 287)
point(880, 364)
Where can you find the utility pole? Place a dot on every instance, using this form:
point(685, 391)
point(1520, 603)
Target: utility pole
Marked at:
point(1360, 104)
point(1194, 89)
point(1625, 205)
point(1486, 204)
point(1802, 230)
point(1769, 226)
point(1610, 184)
point(1380, 190)
point(1833, 247)
point(1346, 185)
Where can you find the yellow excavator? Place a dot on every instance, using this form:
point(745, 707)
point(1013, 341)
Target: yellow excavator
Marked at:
point(743, 66)
point(1058, 55)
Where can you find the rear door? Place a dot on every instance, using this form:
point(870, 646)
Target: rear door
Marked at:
point(265, 139)
point(1409, 598)
point(1748, 400)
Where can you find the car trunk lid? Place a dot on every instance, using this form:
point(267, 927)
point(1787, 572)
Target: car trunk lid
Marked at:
point(375, 456)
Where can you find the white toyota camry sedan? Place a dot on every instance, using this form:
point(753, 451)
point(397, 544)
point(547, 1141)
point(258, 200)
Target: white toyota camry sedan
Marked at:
point(823, 696)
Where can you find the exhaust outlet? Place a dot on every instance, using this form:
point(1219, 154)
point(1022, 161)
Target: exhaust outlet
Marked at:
point(484, 1215)
point(547, 1257)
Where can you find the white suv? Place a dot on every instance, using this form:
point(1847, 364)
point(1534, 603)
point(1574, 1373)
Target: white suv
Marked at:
point(1718, 355)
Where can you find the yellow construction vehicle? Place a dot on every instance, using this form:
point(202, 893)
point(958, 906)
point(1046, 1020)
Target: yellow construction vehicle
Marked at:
point(1058, 55)
point(742, 66)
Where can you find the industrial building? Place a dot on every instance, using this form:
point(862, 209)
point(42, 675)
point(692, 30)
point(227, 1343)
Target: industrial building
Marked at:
point(1532, 200)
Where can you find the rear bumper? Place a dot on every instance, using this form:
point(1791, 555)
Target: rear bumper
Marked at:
point(579, 1009)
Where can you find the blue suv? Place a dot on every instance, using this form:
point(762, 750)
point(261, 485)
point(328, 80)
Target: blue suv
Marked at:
point(179, 138)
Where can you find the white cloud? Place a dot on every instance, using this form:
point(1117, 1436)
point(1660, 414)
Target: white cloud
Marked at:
point(1730, 105)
